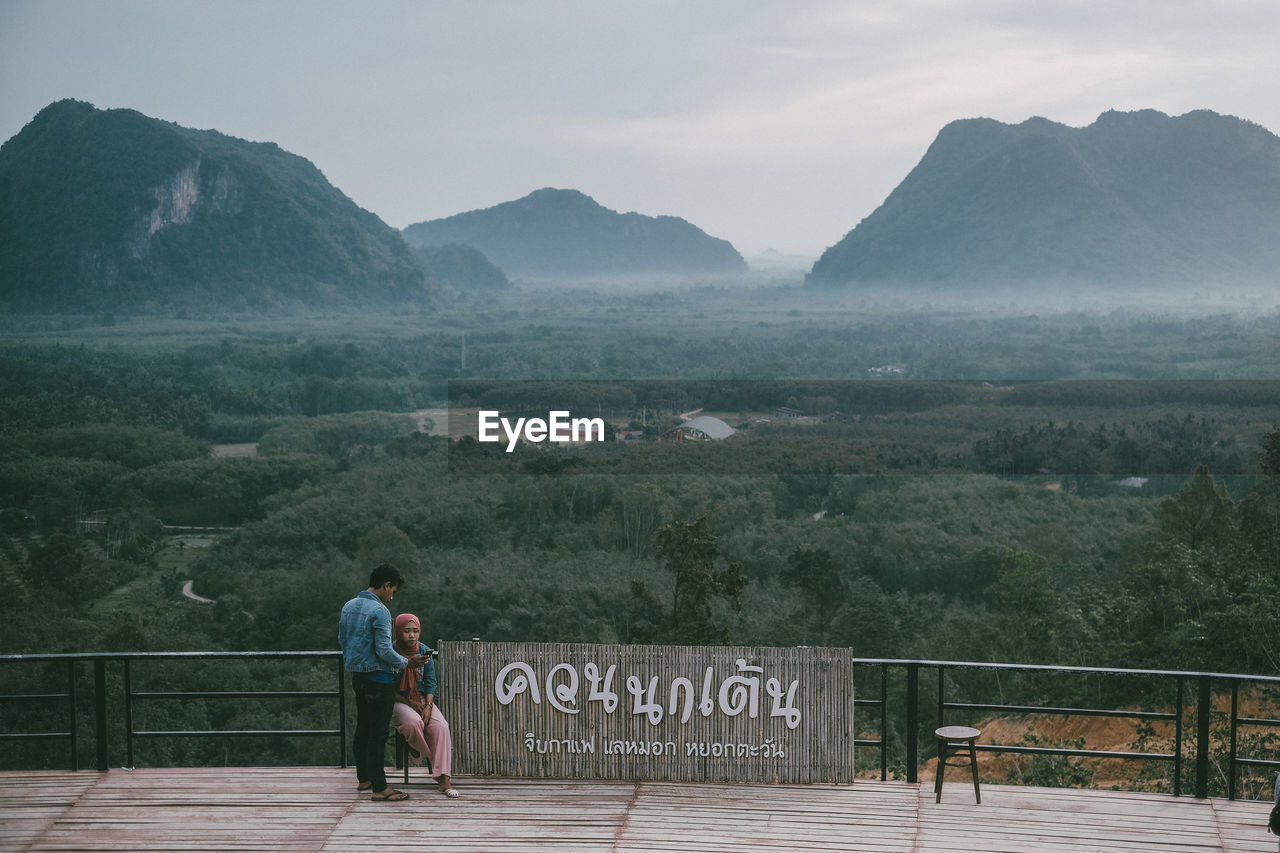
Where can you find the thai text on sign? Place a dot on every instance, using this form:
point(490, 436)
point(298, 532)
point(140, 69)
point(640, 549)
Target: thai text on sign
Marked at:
point(731, 696)
point(566, 710)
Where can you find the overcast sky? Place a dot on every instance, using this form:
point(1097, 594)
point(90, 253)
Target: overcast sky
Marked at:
point(776, 124)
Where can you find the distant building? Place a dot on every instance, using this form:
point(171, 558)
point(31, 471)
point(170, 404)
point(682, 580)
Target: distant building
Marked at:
point(94, 522)
point(701, 428)
point(784, 412)
point(888, 370)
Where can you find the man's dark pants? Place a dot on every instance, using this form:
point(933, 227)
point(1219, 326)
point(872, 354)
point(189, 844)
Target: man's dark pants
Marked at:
point(374, 702)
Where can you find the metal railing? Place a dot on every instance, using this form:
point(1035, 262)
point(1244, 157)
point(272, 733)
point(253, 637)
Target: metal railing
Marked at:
point(1202, 710)
point(130, 698)
point(907, 718)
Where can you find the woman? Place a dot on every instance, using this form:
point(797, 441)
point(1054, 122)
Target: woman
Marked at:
point(415, 716)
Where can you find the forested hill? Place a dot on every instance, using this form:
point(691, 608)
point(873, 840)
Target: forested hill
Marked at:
point(1138, 196)
point(555, 233)
point(113, 210)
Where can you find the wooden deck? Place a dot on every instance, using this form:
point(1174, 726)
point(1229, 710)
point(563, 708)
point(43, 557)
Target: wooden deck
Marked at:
point(309, 808)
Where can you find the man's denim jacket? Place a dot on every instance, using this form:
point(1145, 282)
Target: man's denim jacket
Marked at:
point(364, 632)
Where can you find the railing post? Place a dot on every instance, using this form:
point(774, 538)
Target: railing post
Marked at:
point(913, 721)
point(942, 699)
point(1177, 739)
point(342, 719)
point(1202, 738)
point(1231, 753)
point(884, 721)
point(72, 714)
point(128, 714)
point(100, 709)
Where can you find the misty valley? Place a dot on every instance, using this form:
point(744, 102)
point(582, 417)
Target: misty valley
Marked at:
point(1025, 411)
point(1038, 483)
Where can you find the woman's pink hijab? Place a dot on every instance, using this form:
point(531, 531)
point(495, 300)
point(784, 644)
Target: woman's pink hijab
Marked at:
point(402, 620)
point(409, 678)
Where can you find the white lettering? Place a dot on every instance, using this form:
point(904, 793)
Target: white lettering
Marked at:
point(788, 711)
point(563, 696)
point(592, 429)
point(557, 427)
point(512, 434)
point(506, 691)
point(559, 424)
point(737, 694)
point(642, 698)
point(487, 423)
point(602, 694)
point(741, 693)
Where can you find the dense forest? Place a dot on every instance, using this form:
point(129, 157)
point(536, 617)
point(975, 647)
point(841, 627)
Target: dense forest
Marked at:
point(1058, 488)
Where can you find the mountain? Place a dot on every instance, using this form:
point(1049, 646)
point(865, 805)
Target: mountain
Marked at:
point(554, 233)
point(1138, 196)
point(112, 210)
point(461, 267)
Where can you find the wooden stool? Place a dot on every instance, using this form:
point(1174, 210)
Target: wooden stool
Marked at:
point(951, 741)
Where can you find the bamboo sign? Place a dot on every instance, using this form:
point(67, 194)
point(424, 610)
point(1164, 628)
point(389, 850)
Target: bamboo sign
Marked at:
point(680, 713)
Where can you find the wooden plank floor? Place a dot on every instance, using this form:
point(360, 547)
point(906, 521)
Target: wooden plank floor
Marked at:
point(318, 809)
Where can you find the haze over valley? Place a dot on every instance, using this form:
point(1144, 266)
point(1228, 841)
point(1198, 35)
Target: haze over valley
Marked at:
point(929, 331)
point(110, 210)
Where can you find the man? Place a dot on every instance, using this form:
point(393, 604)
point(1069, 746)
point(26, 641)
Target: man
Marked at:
point(364, 632)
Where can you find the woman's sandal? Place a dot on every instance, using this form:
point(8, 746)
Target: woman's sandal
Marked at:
point(451, 793)
point(390, 796)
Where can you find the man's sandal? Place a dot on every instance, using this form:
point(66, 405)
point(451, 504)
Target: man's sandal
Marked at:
point(390, 796)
